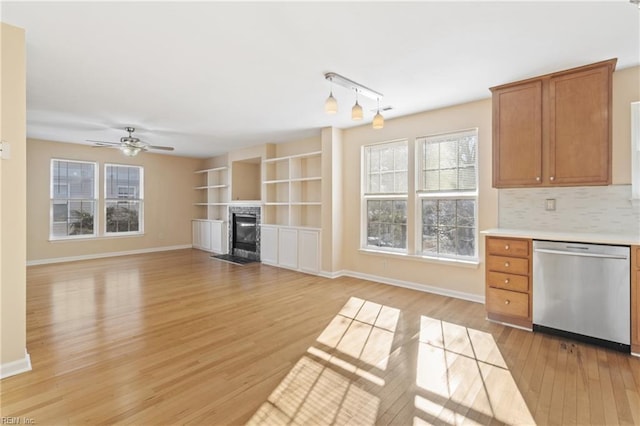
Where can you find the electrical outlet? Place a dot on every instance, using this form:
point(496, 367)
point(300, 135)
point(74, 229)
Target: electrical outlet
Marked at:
point(550, 204)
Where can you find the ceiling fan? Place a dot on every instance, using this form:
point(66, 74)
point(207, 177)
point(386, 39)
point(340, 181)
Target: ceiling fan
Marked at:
point(129, 145)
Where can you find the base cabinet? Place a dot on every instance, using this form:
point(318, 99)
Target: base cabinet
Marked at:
point(209, 235)
point(269, 245)
point(508, 280)
point(290, 247)
point(635, 299)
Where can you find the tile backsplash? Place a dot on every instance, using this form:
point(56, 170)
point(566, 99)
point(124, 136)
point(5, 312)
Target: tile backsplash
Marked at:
point(597, 209)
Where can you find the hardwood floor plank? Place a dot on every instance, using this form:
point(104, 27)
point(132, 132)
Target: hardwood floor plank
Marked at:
point(177, 338)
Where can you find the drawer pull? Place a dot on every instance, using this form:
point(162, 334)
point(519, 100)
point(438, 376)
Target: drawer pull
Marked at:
point(506, 264)
point(552, 178)
point(537, 178)
point(506, 247)
point(506, 281)
point(506, 302)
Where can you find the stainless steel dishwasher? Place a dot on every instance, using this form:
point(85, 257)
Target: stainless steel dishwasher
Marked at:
point(583, 290)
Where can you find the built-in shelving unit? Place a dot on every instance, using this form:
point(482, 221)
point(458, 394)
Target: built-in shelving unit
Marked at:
point(292, 188)
point(210, 226)
point(214, 193)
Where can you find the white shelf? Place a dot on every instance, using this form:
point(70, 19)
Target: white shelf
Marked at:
point(211, 187)
point(292, 188)
point(213, 193)
point(267, 182)
point(305, 179)
point(289, 157)
point(215, 169)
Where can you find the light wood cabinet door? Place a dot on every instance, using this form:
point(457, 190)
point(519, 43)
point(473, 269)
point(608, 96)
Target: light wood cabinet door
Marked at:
point(579, 129)
point(555, 129)
point(635, 299)
point(517, 135)
point(505, 302)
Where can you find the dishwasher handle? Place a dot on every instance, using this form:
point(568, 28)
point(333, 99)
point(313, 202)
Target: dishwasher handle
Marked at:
point(573, 253)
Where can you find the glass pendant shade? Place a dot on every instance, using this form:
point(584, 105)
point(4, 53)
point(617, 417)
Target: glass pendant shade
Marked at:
point(356, 111)
point(130, 151)
point(378, 121)
point(331, 104)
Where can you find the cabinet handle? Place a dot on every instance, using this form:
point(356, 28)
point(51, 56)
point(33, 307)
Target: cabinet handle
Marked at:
point(537, 178)
point(506, 302)
point(506, 281)
point(506, 247)
point(552, 178)
point(506, 264)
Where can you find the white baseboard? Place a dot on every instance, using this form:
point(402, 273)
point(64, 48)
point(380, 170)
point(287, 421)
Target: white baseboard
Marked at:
point(102, 255)
point(415, 286)
point(16, 367)
point(332, 275)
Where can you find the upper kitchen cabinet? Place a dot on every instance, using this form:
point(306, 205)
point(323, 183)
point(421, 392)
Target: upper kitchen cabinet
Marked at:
point(554, 130)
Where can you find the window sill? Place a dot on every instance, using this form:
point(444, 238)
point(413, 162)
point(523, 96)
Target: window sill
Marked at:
point(471, 264)
point(101, 237)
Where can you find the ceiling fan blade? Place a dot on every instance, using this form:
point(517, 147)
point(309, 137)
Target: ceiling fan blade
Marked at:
point(165, 148)
point(103, 142)
point(104, 146)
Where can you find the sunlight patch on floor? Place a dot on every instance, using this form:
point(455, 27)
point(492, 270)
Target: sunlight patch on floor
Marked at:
point(463, 378)
point(327, 388)
point(315, 394)
point(363, 330)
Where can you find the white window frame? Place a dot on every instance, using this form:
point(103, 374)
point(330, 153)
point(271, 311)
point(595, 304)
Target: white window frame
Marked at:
point(379, 196)
point(138, 198)
point(52, 200)
point(422, 194)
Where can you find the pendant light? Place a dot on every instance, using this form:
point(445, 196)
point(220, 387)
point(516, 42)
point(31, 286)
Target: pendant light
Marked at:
point(356, 111)
point(378, 119)
point(331, 104)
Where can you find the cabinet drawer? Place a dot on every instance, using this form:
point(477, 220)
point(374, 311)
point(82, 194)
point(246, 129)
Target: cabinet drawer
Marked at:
point(508, 281)
point(507, 302)
point(513, 265)
point(637, 257)
point(508, 247)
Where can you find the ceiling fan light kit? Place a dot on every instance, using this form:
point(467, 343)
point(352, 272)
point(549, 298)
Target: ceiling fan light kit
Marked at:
point(129, 145)
point(331, 104)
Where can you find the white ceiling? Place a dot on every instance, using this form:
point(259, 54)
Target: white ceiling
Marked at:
point(209, 77)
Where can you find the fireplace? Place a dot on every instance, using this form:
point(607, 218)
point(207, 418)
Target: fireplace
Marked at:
point(244, 232)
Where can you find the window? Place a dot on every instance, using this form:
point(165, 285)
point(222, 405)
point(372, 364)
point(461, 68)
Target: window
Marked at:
point(73, 199)
point(385, 196)
point(447, 192)
point(123, 199)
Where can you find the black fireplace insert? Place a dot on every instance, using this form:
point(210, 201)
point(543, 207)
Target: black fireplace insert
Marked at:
point(245, 232)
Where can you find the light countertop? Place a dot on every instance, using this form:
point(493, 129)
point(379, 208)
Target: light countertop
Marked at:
point(597, 238)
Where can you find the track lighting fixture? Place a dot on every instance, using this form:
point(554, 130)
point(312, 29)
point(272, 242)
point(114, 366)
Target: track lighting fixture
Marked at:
point(378, 119)
point(356, 111)
point(331, 104)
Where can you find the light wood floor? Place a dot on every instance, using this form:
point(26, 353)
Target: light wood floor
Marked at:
point(178, 338)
